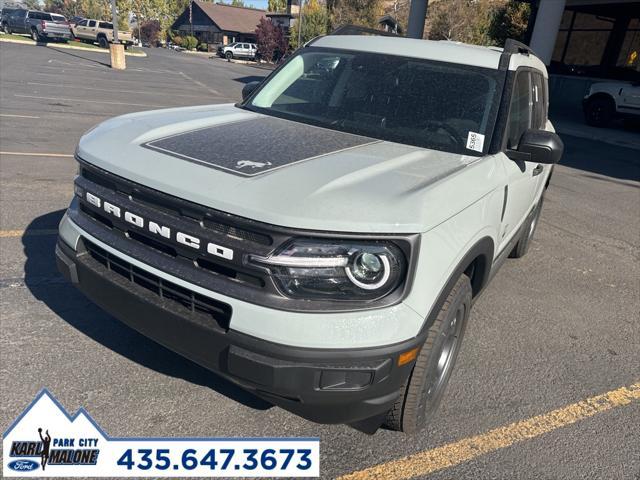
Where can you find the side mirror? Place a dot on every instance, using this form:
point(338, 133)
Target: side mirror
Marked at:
point(538, 146)
point(249, 88)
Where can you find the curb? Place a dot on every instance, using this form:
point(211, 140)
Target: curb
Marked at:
point(68, 47)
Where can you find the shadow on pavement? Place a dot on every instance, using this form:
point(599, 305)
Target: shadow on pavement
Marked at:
point(60, 50)
point(601, 158)
point(250, 78)
point(44, 282)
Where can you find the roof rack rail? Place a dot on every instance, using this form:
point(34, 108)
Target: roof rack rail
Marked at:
point(513, 46)
point(358, 30)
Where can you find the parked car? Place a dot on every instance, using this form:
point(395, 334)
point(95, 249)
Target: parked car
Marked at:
point(384, 181)
point(4, 14)
point(92, 30)
point(605, 101)
point(40, 25)
point(238, 50)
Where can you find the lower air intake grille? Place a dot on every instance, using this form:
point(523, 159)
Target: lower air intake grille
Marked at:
point(178, 296)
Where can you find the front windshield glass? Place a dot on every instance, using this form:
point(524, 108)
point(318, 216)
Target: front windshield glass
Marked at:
point(429, 104)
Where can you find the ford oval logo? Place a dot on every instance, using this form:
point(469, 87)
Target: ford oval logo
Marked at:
point(23, 465)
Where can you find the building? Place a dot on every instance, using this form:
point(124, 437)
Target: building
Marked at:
point(215, 23)
point(585, 41)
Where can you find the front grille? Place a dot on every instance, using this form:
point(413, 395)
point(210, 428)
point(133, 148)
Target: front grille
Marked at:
point(185, 300)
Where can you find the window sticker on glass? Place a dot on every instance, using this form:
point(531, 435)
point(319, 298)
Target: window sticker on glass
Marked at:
point(475, 141)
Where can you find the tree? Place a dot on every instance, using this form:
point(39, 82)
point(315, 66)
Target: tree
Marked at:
point(509, 21)
point(314, 22)
point(270, 40)
point(277, 5)
point(238, 3)
point(150, 31)
point(32, 4)
point(354, 12)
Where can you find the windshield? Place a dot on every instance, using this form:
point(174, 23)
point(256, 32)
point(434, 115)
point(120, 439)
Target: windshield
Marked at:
point(429, 104)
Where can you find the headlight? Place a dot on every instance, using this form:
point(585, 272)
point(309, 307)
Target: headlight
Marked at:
point(335, 270)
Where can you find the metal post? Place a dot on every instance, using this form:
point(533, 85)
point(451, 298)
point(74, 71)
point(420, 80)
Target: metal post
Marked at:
point(300, 24)
point(417, 14)
point(114, 14)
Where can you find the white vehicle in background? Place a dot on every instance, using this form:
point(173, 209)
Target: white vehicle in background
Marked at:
point(605, 101)
point(238, 50)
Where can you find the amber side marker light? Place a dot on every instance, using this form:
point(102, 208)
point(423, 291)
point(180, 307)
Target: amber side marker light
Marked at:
point(407, 356)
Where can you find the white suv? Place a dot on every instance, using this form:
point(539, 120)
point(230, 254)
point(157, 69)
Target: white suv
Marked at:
point(238, 50)
point(605, 101)
point(328, 261)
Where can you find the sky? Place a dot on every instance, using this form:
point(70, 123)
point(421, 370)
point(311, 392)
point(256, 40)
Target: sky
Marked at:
point(262, 4)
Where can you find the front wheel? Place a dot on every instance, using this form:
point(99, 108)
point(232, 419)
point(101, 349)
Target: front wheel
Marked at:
point(422, 392)
point(229, 55)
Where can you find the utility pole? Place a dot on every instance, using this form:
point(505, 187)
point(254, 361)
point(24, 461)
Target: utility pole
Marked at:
point(114, 14)
point(417, 14)
point(300, 24)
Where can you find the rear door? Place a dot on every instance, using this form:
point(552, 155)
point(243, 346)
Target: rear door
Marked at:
point(522, 177)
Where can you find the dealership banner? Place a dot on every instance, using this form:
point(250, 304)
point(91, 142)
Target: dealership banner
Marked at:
point(45, 441)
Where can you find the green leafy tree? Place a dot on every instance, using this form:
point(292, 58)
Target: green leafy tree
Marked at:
point(32, 4)
point(314, 21)
point(509, 21)
point(277, 5)
point(354, 12)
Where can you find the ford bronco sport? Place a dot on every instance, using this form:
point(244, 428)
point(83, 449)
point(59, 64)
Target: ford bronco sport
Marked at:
point(329, 261)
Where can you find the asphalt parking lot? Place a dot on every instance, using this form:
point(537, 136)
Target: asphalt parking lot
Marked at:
point(560, 326)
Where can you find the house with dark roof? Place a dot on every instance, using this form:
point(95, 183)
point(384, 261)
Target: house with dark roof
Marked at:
point(216, 23)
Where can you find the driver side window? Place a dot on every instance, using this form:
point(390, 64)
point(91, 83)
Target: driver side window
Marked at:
point(520, 109)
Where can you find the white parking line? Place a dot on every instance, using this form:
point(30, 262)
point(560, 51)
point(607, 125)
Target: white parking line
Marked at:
point(200, 84)
point(17, 116)
point(91, 101)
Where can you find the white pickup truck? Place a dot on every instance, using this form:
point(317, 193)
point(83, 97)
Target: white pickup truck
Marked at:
point(91, 30)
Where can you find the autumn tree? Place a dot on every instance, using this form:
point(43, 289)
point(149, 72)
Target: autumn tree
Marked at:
point(277, 5)
point(270, 40)
point(150, 31)
point(314, 21)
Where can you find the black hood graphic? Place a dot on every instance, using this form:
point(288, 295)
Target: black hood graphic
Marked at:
point(256, 146)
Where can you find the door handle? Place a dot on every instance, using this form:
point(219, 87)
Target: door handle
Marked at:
point(538, 170)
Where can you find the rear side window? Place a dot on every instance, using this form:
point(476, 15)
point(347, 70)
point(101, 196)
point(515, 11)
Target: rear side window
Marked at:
point(45, 16)
point(58, 18)
point(520, 109)
point(538, 94)
point(106, 25)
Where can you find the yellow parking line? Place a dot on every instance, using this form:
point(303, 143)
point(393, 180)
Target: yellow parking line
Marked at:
point(27, 233)
point(33, 154)
point(429, 461)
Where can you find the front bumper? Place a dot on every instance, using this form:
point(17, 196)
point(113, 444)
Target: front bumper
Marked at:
point(323, 385)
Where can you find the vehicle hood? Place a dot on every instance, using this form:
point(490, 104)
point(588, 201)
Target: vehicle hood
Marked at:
point(287, 173)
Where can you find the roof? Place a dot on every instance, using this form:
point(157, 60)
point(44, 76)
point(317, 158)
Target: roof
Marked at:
point(444, 51)
point(439, 50)
point(230, 18)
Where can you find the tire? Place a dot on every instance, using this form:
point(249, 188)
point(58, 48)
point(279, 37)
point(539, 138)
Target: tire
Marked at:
point(599, 111)
point(6, 29)
point(34, 35)
point(422, 392)
point(522, 247)
point(228, 55)
point(103, 42)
